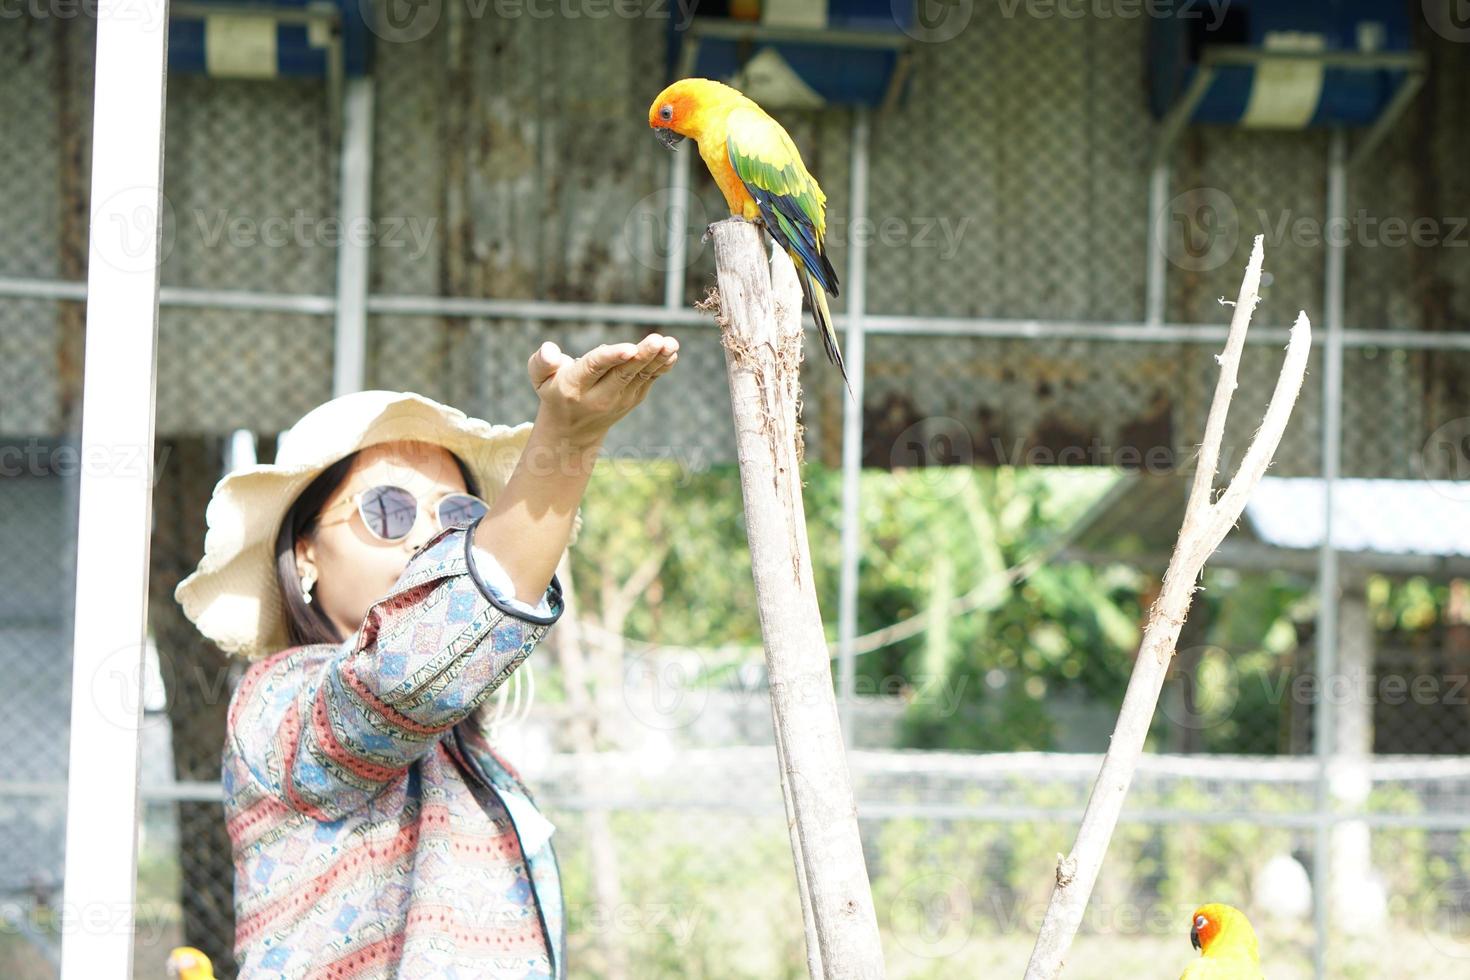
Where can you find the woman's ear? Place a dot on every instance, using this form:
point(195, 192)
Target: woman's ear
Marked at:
point(305, 558)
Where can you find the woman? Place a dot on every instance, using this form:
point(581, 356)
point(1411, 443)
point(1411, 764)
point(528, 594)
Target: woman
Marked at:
point(385, 576)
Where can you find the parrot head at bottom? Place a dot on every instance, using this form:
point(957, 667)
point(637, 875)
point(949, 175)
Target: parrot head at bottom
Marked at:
point(1227, 945)
point(188, 963)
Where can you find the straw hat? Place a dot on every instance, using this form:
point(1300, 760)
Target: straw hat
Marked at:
point(233, 596)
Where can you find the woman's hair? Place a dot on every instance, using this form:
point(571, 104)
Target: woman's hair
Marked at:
point(307, 624)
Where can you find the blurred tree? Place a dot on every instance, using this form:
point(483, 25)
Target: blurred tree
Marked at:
point(663, 559)
point(197, 682)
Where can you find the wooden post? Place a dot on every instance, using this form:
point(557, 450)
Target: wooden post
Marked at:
point(759, 311)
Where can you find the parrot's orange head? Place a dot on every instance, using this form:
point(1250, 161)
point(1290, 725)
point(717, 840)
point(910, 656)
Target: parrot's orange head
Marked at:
point(1218, 927)
point(682, 109)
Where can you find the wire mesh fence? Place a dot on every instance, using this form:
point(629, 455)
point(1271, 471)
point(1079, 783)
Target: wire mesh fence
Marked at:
point(1007, 258)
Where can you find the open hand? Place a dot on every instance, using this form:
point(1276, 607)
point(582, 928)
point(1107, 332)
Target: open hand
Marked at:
point(583, 397)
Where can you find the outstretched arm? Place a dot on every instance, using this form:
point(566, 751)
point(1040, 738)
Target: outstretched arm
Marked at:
point(325, 737)
point(528, 526)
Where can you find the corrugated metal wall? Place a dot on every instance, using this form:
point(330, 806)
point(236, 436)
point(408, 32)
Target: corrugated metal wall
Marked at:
point(512, 161)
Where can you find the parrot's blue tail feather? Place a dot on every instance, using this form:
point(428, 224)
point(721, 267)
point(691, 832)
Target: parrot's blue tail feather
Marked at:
point(816, 298)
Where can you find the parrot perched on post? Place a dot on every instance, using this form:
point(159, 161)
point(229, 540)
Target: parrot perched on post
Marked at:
point(1227, 945)
point(760, 172)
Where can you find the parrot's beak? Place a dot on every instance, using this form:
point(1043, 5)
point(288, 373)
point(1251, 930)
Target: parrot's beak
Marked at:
point(1194, 937)
point(668, 137)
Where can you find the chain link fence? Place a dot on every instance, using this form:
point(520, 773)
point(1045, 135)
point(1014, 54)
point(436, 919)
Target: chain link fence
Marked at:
point(516, 197)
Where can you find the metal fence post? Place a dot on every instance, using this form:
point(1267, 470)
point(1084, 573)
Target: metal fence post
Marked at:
point(852, 429)
point(115, 510)
point(1327, 584)
point(354, 256)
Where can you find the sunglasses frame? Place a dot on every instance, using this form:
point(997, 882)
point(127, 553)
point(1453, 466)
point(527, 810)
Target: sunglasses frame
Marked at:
point(434, 505)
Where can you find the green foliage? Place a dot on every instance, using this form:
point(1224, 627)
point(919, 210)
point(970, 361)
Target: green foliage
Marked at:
point(957, 897)
point(703, 593)
point(1011, 672)
point(689, 906)
point(1418, 876)
point(929, 537)
point(1409, 606)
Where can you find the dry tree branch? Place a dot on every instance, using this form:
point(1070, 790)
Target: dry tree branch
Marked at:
point(1205, 525)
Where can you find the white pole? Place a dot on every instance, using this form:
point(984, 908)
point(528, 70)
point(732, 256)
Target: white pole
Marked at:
point(115, 506)
point(852, 429)
point(1155, 298)
point(1324, 722)
point(350, 357)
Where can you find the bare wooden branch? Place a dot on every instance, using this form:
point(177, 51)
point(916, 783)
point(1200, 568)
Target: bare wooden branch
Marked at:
point(759, 313)
point(1205, 525)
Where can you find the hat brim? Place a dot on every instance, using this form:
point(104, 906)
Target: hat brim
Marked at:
point(233, 596)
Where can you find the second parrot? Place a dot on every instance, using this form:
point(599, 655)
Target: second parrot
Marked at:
point(760, 172)
point(1227, 945)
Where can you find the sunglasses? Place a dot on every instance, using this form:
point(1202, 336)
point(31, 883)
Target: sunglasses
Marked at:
point(390, 512)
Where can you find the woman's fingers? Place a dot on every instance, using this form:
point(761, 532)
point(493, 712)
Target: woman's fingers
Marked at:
point(657, 365)
point(547, 360)
point(660, 367)
point(598, 362)
point(616, 375)
point(650, 370)
point(647, 352)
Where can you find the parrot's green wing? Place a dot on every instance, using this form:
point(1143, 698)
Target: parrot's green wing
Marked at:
point(790, 201)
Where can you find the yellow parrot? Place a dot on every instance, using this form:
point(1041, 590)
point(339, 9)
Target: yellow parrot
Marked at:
point(188, 963)
point(760, 172)
point(1227, 945)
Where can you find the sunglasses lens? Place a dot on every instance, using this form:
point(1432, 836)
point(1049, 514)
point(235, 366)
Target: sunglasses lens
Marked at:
point(461, 510)
point(390, 512)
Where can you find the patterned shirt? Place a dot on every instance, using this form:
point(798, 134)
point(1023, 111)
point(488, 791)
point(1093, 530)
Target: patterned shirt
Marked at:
point(375, 831)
